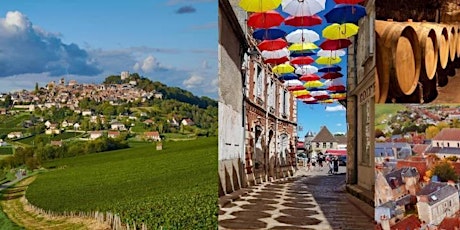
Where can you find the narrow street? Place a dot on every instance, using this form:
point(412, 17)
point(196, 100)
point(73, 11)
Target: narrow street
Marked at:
point(309, 200)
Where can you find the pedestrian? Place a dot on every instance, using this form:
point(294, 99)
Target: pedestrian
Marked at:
point(336, 165)
point(331, 167)
point(320, 163)
point(308, 164)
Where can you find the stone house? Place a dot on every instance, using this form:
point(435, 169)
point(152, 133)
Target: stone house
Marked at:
point(396, 185)
point(155, 136)
point(323, 141)
point(437, 201)
point(93, 135)
point(113, 134)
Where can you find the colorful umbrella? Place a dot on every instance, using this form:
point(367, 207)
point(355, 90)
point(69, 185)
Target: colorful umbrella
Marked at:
point(283, 68)
point(331, 53)
point(306, 69)
point(293, 83)
point(259, 5)
point(332, 75)
point(275, 54)
point(320, 95)
point(313, 84)
point(276, 61)
point(300, 92)
point(304, 96)
point(310, 100)
point(309, 77)
point(296, 88)
point(332, 82)
point(302, 47)
point(302, 36)
point(336, 88)
point(327, 101)
point(330, 68)
point(335, 44)
point(271, 45)
point(328, 60)
point(339, 96)
point(303, 7)
point(288, 76)
point(302, 60)
point(265, 20)
point(340, 31)
point(302, 53)
point(268, 34)
point(343, 13)
point(303, 21)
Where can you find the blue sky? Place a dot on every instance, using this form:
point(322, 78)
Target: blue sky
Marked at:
point(172, 41)
point(312, 117)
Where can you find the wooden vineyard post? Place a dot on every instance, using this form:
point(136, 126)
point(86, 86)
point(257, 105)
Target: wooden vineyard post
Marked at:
point(160, 146)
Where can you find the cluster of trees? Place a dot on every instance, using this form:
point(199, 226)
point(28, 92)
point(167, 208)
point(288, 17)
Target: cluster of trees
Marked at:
point(168, 92)
point(33, 157)
point(7, 103)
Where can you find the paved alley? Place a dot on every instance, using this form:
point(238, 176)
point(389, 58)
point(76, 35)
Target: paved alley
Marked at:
point(309, 200)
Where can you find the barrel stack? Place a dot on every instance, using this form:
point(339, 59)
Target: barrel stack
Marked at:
point(414, 59)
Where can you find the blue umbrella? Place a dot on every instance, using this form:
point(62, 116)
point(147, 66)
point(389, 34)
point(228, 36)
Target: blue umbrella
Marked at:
point(330, 68)
point(288, 76)
point(316, 89)
point(345, 13)
point(269, 34)
point(302, 53)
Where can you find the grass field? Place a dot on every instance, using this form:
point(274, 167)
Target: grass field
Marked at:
point(175, 188)
point(383, 110)
point(49, 138)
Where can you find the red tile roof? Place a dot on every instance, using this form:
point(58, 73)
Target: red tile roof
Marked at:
point(419, 149)
point(411, 222)
point(449, 223)
point(457, 167)
point(152, 134)
point(448, 134)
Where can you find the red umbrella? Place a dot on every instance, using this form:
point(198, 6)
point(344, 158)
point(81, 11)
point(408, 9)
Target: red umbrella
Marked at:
point(296, 88)
point(309, 77)
point(310, 102)
point(336, 88)
point(303, 21)
point(276, 61)
point(271, 45)
point(304, 96)
point(332, 75)
point(321, 97)
point(265, 19)
point(335, 44)
point(303, 60)
point(348, 1)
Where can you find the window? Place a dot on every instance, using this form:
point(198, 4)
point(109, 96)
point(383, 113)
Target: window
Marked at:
point(331, 145)
point(284, 102)
point(271, 94)
point(437, 144)
point(260, 82)
point(317, 144)
point(448, 144)
point(324, 145)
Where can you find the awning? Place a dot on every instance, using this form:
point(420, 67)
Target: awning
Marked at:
point(337, 152)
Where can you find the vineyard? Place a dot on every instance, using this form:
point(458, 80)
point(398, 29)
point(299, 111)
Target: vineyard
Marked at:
point(175, 188)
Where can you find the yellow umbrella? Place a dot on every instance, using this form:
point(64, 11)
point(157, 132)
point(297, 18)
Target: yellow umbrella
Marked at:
point(283, 68)
point(338, 95)
point(328, 60)
point(300, 93)
point(340, 31)
point(328, 101)
point(313, 84)
point(259, 5)
point(302, 46)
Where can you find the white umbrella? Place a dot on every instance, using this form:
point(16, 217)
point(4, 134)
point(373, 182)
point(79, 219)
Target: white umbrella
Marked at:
point(333, 82)
point(319, 93)
point(306, 69)
point(331, 53)
point(303, 7)
point(302, 36)
point(275, 54)
point(292, 83)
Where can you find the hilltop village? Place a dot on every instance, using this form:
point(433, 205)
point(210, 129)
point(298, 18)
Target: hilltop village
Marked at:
point(64, 116)
point(417, 157)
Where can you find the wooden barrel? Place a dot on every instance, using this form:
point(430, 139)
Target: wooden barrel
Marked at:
point(442, 35)
point(441, 77)
point(428, 47)
point(458, 40)
point(376, 88)
point(400, 52)
point(452, 41)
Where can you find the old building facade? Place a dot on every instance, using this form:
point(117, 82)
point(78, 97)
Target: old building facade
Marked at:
point(257, 115)
point(360, 108)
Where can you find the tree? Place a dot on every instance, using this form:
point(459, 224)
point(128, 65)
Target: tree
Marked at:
point(445, 171)
point(431, 132)
point(379, 133)
point(36, 87)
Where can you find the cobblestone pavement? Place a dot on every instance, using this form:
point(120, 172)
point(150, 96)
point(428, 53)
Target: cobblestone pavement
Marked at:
point(309, 200)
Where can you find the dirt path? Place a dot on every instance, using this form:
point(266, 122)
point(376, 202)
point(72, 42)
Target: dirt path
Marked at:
point(14, 205)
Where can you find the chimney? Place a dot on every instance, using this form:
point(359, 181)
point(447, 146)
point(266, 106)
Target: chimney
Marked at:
point(451, 183)
point(385, 222)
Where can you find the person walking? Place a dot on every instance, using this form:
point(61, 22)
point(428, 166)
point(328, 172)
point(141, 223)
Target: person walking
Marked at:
point(330, 166)
point(336, 165)
point(320, 163)
point(308, 163)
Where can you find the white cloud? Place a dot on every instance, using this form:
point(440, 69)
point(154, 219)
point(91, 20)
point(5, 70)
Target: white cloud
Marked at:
point(149, 64)
point(28, 49)
point(339, 124)
point(193, 81)
point(335, 108)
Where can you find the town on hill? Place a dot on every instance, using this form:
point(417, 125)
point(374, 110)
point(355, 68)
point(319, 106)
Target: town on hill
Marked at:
point(64, 119)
